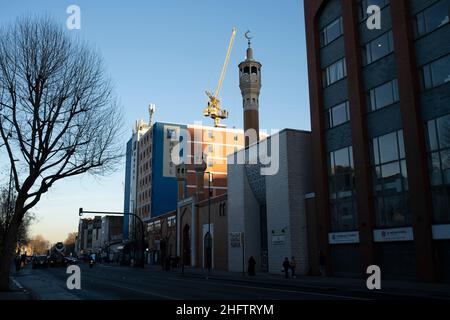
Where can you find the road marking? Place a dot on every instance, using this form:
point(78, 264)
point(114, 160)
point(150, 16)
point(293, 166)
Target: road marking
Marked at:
point(145, 292)
point(17, 283)
point(266, 289)
point(279, 290)
point(229, 285)
point(298, 292)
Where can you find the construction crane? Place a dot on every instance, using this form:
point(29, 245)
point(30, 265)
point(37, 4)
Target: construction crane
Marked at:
point(213, 110)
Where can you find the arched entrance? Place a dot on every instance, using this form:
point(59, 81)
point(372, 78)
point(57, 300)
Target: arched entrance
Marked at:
point(207, 251)
point(186, 246)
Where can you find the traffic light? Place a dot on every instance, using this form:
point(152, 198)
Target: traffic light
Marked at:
point(80, 212)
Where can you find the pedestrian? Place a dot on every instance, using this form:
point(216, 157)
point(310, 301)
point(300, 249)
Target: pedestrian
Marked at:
point(167, 263)
point(286, 266)
point(251, 266)
point(22, 260)
point(17, 262)
point(293, 265)
point(322, 263)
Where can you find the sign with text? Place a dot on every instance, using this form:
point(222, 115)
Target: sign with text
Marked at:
point(343, 237)
point(396, 234)
point(236, 239)
point(441, 232)
point(278, 239)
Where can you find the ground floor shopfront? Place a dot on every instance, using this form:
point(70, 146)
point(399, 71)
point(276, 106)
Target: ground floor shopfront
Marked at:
point(394, 250)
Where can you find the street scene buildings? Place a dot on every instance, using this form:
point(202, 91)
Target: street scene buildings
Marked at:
point(368, 186)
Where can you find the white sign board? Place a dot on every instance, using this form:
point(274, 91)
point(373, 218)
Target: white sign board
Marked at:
point(441, 232)
point(391, 235)
point(278, 239)
point(343, 237)
point(236, 239)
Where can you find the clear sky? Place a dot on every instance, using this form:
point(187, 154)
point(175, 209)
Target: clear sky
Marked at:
point(168, 52)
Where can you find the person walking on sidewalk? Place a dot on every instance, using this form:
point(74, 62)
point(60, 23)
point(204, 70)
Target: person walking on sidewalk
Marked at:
point(286, 266)
point(322, 263)
point(293, 265)
point(17, 263)
point(251, 266)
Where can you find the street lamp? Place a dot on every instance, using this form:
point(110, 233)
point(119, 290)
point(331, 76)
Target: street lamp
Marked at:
point(81, 211)
point(210, 179)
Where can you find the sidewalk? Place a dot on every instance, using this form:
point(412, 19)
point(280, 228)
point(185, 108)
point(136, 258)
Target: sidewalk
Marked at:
point(39, 286)
point(17, 291)
point(388, 287)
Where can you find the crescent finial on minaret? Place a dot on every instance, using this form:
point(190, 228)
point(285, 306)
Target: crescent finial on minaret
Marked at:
point(248, 38)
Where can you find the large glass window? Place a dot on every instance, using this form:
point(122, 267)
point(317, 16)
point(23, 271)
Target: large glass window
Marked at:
point(379, 48)
point(334, 72)
point(390, 178)
point(438, 134)
point(365, 4)
point(331, 32)
point(338, 115)
point(436, 73)
point(342, 190)
point(433, 17)
point(383, 96)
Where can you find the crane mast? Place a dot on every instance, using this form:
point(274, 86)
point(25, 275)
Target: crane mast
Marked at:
point(214, 110)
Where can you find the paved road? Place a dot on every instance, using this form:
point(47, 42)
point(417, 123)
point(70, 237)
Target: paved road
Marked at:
point(115, 282)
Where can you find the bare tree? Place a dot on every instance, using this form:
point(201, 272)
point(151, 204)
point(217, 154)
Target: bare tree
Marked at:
point(58, 115)
point(69, 243)
point(7, 204)
point(39, 245)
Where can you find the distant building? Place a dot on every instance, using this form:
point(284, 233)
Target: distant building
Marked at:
point(202, 229)
point(111, 237)
point(151, 184)
point(161, 236)
point(210, 144)
point(89, 236)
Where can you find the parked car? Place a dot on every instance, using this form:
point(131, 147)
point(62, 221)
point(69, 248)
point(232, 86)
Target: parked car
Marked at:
point(39, 262)
point(70, 260)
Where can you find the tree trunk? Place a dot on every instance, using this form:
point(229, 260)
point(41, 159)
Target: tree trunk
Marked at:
point(8, 250)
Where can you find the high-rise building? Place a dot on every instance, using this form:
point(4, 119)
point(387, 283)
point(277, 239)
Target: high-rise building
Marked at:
point(151, 189)
point(380, 117)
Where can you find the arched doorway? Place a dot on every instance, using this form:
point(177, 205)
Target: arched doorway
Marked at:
point(207, 251)
point(186, 246)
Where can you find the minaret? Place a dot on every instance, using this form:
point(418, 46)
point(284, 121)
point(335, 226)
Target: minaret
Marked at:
point(250, 84)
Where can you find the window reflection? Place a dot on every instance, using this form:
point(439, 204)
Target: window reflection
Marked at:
point(436, 73)
point(384, 95)
point(390, 180)
point(438, 142)
point(342, 190)
point(379, 48)
point(433, 17)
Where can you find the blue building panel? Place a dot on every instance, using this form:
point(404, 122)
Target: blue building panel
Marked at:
point(164, 185)
point(126, 204)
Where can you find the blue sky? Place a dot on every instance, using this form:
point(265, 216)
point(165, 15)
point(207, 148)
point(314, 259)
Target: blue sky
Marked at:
point(168, 52)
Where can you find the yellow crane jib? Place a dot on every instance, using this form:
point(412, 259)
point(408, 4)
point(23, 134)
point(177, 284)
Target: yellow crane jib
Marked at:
point(213, 110)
